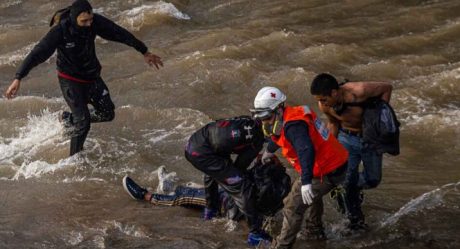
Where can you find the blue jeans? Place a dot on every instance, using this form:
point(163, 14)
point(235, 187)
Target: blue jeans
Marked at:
point(355, 181)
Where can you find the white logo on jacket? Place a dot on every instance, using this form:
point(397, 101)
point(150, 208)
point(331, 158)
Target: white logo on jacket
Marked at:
point(249, 135)
point(70, 45)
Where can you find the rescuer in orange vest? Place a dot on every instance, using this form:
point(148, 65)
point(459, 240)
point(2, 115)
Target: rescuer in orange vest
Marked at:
point(316, 155)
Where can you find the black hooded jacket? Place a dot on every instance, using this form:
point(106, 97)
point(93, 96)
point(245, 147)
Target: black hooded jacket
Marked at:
point(76, 54)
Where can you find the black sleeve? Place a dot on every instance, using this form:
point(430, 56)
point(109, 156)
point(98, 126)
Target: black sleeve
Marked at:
point(41, 52)
point(109, 30)
point(272, 147)
point(245, 158)
point(297, 134)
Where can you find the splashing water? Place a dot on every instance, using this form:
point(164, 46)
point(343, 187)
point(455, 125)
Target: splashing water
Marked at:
point(75, 238)
point(427, 200)
point(231, 225)
point(10, 3)
point(41, 130)
point(39, 168)
point(130, 230)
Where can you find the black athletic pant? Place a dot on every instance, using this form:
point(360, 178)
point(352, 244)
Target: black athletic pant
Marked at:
point(220, 170)
point(78, 96)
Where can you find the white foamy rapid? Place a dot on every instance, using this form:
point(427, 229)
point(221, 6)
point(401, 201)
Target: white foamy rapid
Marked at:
point(157, 135)
point(14, 57)
point(36, 169)
point(130, 230)
point(441, 118)
point(421, 105)
point(9, 3)
point(184, 125)
point(426, 201)
point(226, 5)
point(137, 17)
point(82, 179)
point(41, 130)
point(74, 238)
point(97, 235)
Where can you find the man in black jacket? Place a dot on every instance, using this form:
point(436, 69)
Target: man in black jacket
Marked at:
point(209, 150)
point(73, 34)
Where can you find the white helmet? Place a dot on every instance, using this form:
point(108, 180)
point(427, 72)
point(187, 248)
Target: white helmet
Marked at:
point(267, 100)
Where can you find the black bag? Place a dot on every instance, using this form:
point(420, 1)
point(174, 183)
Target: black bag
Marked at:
point(272, 185)
point(381, 127)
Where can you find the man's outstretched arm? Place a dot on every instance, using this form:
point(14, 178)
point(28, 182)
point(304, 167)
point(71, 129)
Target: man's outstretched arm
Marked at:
point(109, 30)
point(39, 54)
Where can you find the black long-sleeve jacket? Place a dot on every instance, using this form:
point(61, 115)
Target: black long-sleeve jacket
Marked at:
point(239, 135)
point(76, 53)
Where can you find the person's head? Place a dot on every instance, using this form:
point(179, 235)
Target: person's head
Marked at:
point(268, 107)
point(81, 13)
point(325, 89)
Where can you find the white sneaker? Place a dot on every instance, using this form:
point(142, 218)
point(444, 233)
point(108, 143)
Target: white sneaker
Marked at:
point(167, 182)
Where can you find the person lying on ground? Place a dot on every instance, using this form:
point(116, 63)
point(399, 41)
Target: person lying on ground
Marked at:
point(270, 181)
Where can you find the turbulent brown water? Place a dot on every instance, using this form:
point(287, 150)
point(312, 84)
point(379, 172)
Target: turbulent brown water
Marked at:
point(217, 55)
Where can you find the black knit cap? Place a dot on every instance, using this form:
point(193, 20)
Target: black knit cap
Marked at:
point(78, 7)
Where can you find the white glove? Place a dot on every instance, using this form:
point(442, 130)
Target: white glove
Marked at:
point(267, 157)
point(307, 194)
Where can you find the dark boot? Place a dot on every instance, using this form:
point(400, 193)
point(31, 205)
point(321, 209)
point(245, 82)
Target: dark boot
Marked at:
point(312, 233)
point(358, 224)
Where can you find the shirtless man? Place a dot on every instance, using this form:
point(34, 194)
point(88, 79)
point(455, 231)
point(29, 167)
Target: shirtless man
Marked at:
point(343, 105)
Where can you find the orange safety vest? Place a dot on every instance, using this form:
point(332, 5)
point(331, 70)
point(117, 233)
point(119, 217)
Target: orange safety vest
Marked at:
point(329, 153)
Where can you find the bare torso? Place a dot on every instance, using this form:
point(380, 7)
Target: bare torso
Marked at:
point(347, 114)
point(349, 117)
